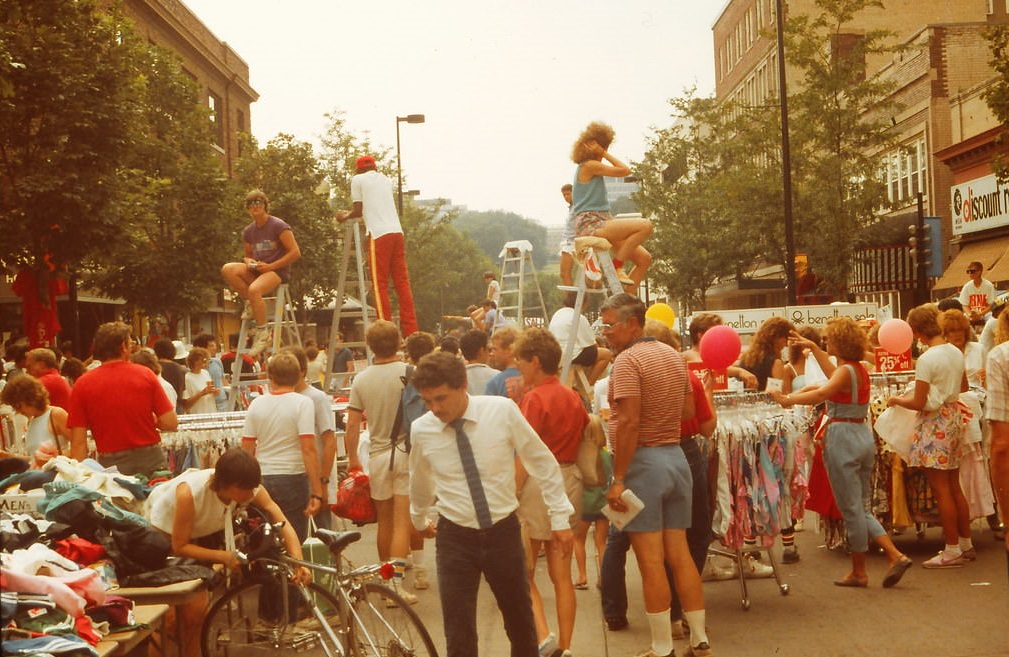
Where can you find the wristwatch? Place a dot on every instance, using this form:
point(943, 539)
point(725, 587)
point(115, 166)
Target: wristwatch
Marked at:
point(325, 481)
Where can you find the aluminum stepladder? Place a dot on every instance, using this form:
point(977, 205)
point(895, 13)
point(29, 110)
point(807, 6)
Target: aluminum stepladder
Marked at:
point(353, 248)
point(517, 270)
point(284, 326)
point(599, 250)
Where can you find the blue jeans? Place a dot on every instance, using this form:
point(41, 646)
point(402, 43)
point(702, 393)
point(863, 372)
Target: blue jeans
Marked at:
point(290, 492)
point(462, 556)
point(612, 584)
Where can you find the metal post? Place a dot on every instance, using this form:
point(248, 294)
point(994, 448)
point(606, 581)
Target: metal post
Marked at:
point(399, 173)
point(786, 157)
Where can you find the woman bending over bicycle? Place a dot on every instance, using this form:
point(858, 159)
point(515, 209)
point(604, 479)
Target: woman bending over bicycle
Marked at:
point(195, 507)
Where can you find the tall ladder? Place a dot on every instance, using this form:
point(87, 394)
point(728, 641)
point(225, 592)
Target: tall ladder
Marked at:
point(353, 249)
point(517, 269)
point(284, 327)
point(601, 253)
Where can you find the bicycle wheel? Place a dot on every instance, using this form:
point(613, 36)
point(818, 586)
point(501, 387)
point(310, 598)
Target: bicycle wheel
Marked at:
point(250, 621)
point(382, 624)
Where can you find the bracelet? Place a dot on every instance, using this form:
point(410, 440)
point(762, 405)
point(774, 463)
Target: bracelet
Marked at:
point(325, 481)
point(616, 481)
point(315, 497)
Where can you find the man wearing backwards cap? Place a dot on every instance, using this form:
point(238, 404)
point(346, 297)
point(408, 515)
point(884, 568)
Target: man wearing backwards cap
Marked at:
point(371, 193)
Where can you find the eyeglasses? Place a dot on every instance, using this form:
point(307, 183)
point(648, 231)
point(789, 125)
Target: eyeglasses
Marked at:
point(973, 271)
point(603, 328)
point(255, 201)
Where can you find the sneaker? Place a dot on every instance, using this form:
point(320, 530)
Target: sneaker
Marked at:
point(799, 525)
point(408, 598)
point(998, 533)
point(970, 554)
point(679, 630)
point(651, 653)
point(942, 561)
point(790, 555)
point(260, 341)
point(616, 624)
point(754, 569)
point(548, 647)
point(420, 578)
point(702, 649)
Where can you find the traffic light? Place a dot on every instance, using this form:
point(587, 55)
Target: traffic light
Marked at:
point(921, 246)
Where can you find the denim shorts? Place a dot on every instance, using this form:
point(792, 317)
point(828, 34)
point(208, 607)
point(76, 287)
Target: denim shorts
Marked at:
point(660, 476)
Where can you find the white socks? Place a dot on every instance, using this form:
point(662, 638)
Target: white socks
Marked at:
point(662, 632)
point(965, 544)
point(695, 619)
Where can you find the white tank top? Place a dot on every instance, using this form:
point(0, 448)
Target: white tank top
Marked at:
point(210, 512)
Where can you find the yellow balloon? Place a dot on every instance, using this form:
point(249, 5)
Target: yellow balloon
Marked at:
point(662, 312)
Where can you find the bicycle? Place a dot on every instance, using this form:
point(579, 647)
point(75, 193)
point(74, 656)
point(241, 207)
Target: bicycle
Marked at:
point(353, 616)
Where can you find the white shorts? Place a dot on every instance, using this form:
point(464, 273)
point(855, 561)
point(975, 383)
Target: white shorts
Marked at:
point(384, 482)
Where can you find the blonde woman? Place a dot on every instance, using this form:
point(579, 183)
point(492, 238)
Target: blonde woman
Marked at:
point(591, 207)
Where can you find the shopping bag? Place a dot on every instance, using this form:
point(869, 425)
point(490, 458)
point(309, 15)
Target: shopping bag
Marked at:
point(895, 426)
point(313, 549)
point(353, 499)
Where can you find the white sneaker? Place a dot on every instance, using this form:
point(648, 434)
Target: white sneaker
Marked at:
point(408, 598)
point(420, 578)
point(260, 341)
point(754, 569)
point(549, 646)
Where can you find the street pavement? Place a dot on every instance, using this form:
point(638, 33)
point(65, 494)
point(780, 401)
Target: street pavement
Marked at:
point(960, 612)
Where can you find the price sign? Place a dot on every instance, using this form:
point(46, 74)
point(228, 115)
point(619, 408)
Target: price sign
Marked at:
point(887, 362)
point(719, 378)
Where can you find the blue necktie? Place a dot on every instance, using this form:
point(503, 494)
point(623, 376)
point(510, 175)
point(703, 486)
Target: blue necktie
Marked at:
point(472, 475)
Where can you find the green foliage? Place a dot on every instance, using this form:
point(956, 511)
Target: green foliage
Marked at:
point(291, 176)
point(997, 95)
point(490, 230)
point(446, 267)
point(166, 257)
point(69, 114)
point(840, 122)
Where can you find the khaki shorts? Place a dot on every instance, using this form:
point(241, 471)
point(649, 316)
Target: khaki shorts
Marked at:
point(532, 509)
point(386, 483)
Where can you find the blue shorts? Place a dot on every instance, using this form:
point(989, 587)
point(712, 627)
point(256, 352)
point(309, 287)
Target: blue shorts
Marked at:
point(660, 476)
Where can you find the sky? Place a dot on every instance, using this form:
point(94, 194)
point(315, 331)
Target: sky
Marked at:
point(506, 87)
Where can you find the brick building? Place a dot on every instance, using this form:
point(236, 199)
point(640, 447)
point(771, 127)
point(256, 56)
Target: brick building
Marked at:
point(938, 76)
point(222, 74)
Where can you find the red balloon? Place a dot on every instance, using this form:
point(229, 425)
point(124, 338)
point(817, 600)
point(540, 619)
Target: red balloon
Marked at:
point(895, 335)
point(720, 347)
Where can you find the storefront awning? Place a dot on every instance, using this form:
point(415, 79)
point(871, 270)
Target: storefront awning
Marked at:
point(992, 253)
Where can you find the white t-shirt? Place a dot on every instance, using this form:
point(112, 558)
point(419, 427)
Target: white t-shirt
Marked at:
point(210, 510)
point(170, 391)
point(942, 367)
point(277, 422)
point(494, 291)
point(973, 355)
point(374, 192)
point(195, 382)
point(560, 326)
point(975, 297)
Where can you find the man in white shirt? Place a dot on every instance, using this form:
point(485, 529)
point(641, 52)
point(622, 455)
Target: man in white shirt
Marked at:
point(463, 456)
point(585, 351)
point(473, 345)
point(977, 295)
point(371, 193)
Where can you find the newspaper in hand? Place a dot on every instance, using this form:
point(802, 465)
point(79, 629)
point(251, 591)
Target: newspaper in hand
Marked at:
point(621, 518)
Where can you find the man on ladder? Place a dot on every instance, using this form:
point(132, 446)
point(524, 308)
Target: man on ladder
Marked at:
point(270, 248)
point(371, 193)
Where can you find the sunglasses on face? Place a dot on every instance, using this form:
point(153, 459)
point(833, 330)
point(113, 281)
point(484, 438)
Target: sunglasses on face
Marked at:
point(973, 271)
point(253, 203)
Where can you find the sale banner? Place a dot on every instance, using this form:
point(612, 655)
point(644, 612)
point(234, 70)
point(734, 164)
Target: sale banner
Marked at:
point(887, 362)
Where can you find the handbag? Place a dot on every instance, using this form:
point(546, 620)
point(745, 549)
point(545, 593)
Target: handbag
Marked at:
point(895, 426)
point(353, 499)
point(588, 461)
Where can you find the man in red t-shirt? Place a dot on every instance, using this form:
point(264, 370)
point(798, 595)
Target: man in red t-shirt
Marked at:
point(557, 414)
point(123, 405)
point(41, 363)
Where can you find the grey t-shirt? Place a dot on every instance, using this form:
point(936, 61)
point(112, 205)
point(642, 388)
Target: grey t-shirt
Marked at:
point(377, 392)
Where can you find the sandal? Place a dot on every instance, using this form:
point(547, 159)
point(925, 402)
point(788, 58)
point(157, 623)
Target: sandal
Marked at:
point(896, 571)
point(582, 586)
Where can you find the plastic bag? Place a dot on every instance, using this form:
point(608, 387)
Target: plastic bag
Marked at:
point(353, 499)
point(895, 426)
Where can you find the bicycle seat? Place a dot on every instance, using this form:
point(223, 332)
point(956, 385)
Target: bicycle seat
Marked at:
point(336, 541)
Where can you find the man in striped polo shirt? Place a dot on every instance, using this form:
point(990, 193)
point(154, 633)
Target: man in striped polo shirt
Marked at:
point(648, 460)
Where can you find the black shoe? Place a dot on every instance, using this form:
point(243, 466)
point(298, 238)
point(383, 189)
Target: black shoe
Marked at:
point(616, 624)
point(790, 555)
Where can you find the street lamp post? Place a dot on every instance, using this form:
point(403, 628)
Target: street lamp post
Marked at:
point(409, 118)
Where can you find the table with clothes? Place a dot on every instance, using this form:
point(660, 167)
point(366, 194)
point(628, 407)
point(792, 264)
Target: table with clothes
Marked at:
point(65, 564)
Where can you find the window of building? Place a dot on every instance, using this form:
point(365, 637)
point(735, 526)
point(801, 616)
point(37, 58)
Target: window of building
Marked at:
point(904, 171)
point(216, 117)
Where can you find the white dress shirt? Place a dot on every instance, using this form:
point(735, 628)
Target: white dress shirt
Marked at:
point(497, 432)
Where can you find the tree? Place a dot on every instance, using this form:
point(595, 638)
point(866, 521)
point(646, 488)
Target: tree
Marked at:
point(172, 224)
point(69, 116)
point(292, 177)
point(997, 95)
point(840, 121)
point(491, 230)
